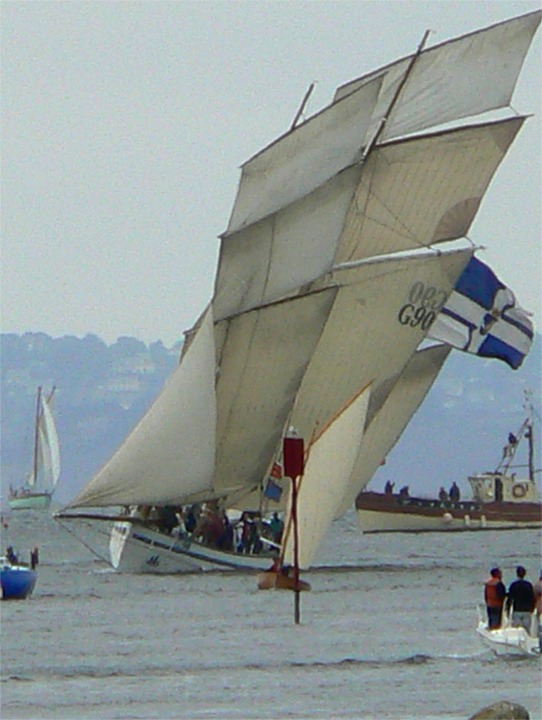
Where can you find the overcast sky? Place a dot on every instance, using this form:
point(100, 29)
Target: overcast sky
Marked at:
point(124, 125)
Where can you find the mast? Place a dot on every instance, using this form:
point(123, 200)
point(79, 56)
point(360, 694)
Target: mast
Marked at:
point(396, 96)
point(302, 106)
point(529, 433)
point(36, 437)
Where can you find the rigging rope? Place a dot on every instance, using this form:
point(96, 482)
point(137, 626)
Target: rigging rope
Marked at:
point(88, 547)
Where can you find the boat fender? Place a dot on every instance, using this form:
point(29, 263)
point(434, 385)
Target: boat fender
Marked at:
point(519, 490)
point(447, 518)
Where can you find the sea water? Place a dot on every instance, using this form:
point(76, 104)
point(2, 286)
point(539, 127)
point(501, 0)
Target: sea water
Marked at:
point(387, 631)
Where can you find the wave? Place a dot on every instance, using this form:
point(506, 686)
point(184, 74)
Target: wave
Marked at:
point(136, 670)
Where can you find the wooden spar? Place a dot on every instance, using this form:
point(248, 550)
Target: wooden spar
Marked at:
point(302, 106)
point(36, 437)
point(96, 516)
point(398, 92)
point(293, 457)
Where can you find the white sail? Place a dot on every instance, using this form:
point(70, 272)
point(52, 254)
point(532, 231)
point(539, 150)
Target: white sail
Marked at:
point(262, 361)
point(423, 190)
point(378, 319)
point(459, 78)
point(285, 251)
point(400, 398)
point(171, 452)
point(330, 460)
point(407, 195)
point(49, 443)
point(304, 159)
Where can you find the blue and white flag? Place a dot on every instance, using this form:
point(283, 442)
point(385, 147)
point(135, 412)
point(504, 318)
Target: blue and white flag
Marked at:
point(481, 317)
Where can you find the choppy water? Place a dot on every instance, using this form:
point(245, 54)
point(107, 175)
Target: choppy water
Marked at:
point(387, 633)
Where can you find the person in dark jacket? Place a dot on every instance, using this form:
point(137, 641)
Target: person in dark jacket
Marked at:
point(522, 600)
point(494, 595)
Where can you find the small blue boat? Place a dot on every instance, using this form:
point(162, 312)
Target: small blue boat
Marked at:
point(16, 581)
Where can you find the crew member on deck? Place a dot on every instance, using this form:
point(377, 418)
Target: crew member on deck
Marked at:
point(455, 494)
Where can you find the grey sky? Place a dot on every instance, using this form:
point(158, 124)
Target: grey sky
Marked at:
point(124, 125)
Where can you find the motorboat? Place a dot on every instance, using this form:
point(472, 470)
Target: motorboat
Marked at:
point(507, 639)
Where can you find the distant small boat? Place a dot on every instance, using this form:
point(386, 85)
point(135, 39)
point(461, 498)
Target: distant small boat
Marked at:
point(280, 580)
point(37, 491)
point(507, 640)
point(500, 500)
point(17, 581)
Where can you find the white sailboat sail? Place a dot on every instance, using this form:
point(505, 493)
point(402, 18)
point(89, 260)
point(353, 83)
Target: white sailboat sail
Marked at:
point(263, 357)
point(389, 415)
point(423, 190)
point(171, 452)
point(378, 319)
point(304, 159)
point(330, 460)
point(49, 445)
point(460, 78)
point(406, 195)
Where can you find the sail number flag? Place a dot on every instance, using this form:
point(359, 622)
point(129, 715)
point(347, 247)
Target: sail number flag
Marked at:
point(482, 317)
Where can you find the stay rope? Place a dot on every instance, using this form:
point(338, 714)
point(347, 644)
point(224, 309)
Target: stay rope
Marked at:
point(85, 544)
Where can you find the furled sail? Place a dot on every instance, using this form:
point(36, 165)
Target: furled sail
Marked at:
point(171, 452)
point(460, 78)
point(390, 416)
point(331, 457)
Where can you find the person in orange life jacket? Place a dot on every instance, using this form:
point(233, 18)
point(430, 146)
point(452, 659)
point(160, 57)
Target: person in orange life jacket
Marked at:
point(494, 595)
point(522, 600)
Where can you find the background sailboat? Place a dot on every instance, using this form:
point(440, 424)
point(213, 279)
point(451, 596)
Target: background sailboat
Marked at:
point(37, 491)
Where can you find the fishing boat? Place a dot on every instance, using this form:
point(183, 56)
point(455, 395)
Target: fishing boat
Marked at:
point(507, 639)
point(37, 492)
point(347, 236)
point(17, 581)
point(500, 499)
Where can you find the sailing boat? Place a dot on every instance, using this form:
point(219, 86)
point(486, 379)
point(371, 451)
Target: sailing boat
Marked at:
point(37, 491)
point(347, 236)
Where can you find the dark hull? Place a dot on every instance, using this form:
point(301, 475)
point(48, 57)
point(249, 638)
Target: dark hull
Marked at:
point(379, 512)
